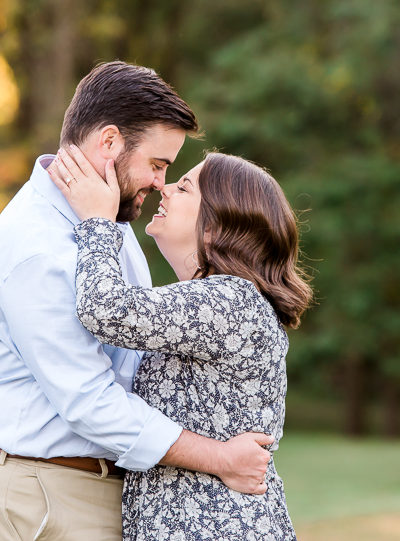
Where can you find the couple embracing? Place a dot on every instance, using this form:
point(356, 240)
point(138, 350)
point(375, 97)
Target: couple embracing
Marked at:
point(170, 399)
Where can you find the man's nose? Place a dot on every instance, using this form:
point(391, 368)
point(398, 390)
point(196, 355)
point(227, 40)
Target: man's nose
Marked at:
point(159, 180)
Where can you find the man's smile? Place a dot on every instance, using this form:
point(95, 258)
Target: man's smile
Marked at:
point(140, 196)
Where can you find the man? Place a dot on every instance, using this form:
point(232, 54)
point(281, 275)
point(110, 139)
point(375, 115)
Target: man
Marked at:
point(68, 421)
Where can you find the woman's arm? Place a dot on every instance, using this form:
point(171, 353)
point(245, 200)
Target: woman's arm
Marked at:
point(198, 317)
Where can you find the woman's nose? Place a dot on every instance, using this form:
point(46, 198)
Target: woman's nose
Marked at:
point(168, 189)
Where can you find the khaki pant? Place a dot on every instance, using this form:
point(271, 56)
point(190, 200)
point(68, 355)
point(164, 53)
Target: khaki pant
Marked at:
point(40, 501)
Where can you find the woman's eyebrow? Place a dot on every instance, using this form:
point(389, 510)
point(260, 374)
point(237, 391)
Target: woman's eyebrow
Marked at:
point(187, 179)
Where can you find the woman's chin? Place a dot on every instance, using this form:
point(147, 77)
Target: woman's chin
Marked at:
point(147, 229)
point(151, 228)
point(154, 226)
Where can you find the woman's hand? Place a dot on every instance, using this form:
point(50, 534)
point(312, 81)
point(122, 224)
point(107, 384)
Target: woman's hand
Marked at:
point(89, 195)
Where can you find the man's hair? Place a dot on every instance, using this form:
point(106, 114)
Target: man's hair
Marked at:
point(131, 97)
point(253, 233)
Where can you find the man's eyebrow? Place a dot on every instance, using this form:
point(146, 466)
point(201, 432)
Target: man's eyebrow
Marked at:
point(166, 160)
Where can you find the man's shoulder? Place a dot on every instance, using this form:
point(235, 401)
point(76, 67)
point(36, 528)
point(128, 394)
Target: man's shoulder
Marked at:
point(30, 227)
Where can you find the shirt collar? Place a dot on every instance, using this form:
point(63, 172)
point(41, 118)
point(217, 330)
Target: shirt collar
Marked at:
point(42, 183)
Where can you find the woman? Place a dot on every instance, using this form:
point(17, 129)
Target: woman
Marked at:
point(215, 340)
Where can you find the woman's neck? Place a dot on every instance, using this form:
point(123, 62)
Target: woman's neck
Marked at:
point(184, 266)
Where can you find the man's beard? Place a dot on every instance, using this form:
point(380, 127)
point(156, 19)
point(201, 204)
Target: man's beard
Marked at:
point(128, 209)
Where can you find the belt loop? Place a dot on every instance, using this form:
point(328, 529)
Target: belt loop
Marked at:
point(104, 468)
point(3, 455)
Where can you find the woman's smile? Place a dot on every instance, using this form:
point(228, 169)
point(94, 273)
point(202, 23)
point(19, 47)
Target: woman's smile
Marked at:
point(162, 212)
point(176, 237)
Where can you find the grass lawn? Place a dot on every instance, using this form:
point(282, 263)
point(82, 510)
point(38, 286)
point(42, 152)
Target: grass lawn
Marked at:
point(341, 489)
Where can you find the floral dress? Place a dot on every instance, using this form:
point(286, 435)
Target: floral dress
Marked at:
point(215, 364)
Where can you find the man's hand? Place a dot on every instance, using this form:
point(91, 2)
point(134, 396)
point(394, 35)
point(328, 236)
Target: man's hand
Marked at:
point(244, 462)
point(240, 463)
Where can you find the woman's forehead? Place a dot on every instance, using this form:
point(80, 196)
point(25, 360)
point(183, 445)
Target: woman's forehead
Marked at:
point(193, 173)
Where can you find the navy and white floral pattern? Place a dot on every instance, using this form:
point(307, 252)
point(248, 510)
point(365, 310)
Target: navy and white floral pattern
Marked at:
point(215, 363)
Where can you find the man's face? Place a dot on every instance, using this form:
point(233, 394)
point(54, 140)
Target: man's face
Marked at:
point(142, 170)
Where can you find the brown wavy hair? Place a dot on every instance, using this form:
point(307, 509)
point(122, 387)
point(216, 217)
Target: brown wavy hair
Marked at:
point(247, 228)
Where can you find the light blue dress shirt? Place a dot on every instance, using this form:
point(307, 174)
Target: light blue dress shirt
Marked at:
point(62, 393)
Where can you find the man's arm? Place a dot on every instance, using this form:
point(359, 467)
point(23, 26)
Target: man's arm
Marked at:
point(71, 369)
point(75, 374)
point(240, 462)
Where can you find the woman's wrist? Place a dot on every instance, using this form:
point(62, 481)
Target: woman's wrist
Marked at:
point(99, 234)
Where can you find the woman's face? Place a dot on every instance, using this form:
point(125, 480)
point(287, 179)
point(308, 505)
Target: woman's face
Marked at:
point(174, 227)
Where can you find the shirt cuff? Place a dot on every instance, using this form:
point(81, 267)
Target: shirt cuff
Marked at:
point(159, 433)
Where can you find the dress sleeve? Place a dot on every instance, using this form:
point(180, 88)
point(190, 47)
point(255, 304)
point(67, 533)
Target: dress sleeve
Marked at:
point(201, 318)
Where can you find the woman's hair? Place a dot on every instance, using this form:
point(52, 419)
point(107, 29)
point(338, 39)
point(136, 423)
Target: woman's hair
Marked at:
point(247, 228)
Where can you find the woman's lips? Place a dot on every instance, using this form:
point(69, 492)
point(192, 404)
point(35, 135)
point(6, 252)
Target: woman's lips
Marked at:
point(162, 212)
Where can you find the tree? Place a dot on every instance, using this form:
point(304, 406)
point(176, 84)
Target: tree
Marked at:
point(312, 96)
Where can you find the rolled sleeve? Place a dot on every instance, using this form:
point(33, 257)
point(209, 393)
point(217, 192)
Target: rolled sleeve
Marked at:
point(146, 450)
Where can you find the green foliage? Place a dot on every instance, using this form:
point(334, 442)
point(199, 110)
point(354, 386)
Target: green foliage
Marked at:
point(312, 94)
point(309, 90)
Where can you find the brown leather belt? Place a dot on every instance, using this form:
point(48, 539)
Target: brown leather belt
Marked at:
point(80, 463)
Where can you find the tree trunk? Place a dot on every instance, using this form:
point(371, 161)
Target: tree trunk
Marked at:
point(54, 74)
point(391, 400)
point(48, 50)
point(355, 389)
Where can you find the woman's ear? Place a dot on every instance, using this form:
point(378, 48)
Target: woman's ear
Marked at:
point(207, 237)
point(110, 142)
point(207, 240)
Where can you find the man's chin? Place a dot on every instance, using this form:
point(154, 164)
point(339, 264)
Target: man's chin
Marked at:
point(128, 212)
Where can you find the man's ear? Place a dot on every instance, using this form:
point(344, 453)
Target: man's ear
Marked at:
point(110, 142)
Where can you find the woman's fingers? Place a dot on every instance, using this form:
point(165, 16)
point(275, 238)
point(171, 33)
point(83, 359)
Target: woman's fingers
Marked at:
point(84, 164)
point(57, 179)
point(89, 196)
point(71, 165)
point(63, 170)
point(77, 167)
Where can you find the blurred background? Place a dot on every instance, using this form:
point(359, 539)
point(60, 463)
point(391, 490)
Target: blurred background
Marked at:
point(309, 90)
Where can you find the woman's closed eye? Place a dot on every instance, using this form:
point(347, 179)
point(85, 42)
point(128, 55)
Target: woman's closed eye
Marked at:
point(181, 189)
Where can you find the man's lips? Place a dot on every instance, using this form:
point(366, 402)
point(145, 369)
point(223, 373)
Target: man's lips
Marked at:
point(140, 196)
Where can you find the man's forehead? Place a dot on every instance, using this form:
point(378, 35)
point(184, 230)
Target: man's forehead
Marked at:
point(162, 133)
point(162, 144)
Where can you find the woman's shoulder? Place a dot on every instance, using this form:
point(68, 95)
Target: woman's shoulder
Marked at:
point(226, 291)
point(243, 295)
point(224, 285)
point(234, 287)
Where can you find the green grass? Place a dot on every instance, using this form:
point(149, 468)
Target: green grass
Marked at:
point(330, 476)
